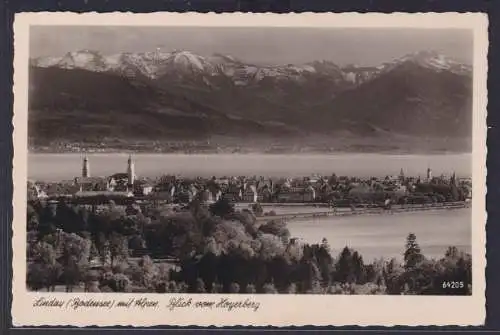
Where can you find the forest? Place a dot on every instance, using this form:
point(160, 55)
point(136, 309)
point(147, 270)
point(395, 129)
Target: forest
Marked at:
point(214, 249)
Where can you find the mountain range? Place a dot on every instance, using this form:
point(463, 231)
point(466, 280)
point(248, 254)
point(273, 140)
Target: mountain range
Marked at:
point(89, 98)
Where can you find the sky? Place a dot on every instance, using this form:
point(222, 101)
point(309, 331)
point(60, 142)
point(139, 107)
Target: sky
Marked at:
point(266, 45)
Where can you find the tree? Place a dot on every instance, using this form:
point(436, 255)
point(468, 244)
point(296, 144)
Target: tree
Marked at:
point(222, 208)
point(412, 255)
point(37, 277)
point(276, 228)
point(118, 245)
point(75, 258)
point(269, 288)
point(46, 220)
point(343, 267)
point(43, 270)
point(393, 273)
point(200, 286)
point(454, 193)
point(456, 266)
point(69, 219)
point(144, 273)
point(325, 245)
point(137, 242)
point(257, 209)
point(32, 218)
point(234, 288)
point(250, 289)
point(332, 181)
point(358, 268)
point(119, 283)
point(92, 281)
point(292, 289)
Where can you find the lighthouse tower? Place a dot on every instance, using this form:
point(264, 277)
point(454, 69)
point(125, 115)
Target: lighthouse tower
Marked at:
point(86, 168)
point(130, 170)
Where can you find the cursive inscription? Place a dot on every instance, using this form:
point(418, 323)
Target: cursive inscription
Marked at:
point(174, 303)
point(43, 302)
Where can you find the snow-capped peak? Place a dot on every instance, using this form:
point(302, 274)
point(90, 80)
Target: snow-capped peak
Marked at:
point(87, 59)
point(157, 63)
point(150, 63)
point(188, 60)
point(46, 61)
point(432, 60)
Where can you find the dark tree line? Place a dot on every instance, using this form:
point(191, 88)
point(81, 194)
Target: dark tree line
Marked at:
point(216, 249)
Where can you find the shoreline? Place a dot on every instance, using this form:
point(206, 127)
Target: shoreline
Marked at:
point(367, 211)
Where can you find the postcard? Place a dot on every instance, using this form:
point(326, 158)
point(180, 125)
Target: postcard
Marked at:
point(188, 169)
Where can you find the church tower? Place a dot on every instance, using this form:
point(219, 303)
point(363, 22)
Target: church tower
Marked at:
point(130, 170)
point(429, 174)
point(86, 168)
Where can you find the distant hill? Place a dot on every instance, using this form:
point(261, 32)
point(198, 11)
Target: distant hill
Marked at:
point(84, 106)
point(87, 97)
point(409, 99)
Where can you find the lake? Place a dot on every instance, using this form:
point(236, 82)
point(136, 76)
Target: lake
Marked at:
point(384, 235)
point(53, 167)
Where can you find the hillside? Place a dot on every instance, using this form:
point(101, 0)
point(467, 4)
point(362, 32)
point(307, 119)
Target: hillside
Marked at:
point(410, 99)
point(88, 106)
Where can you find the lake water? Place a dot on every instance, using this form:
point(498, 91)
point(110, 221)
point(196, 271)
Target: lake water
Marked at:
point(384, 235)
point(52, 167)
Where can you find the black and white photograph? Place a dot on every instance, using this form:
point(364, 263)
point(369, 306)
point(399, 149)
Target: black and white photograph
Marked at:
point(249, 160)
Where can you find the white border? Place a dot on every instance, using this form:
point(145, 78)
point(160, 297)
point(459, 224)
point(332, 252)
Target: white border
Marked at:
point(277, 310)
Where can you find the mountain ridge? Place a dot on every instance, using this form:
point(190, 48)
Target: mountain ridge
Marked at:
point(153, 60)
point(184, 96)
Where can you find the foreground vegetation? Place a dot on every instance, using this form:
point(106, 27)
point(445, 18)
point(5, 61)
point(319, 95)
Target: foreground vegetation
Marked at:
point(214, 249)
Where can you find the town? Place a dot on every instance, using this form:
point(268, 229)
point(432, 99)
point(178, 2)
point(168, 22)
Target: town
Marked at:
point(332, 191)
point(212, 235)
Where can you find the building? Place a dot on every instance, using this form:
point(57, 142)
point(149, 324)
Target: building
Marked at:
point(118, 182)
point(297, 194)
point(233, 193)
point(309, 194)
point(265, 183)
point(142, 188)
point(250, 194)
point(265, 194)
point(401, 176)
point(183, 196)
point(453, 179)
point(362, 191)
point(86, 184)
point(207, 196)
point(103, 197)
point(110, 194)
point(86, 167)
point(35, 191)
point(130, 170)
point(116, 179)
